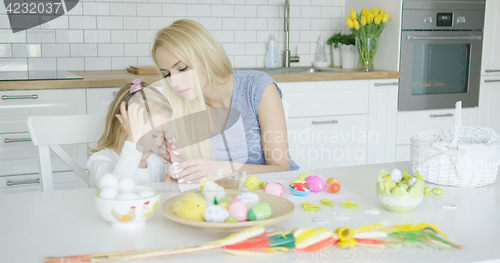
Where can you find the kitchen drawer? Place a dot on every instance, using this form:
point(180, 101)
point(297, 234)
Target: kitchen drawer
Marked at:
point(403, 153)
point(326, 98)
point(17, 106)
point(22, 157)
point(17, 184)
point(409, 122)
point(332, 141)
point(99, 99)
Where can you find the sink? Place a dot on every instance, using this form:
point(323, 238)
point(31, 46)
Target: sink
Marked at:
point(302, 70)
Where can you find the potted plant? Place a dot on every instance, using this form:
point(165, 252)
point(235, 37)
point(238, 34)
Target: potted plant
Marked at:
point(343, 48)
point(335, 42)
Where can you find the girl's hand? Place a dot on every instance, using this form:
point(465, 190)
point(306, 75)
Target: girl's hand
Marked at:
point(132, 121)
point(194, 170)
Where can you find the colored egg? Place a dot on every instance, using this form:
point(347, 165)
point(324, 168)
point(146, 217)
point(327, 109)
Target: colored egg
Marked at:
point(231, 219)
point(238, 210)
point(226, 199)
point(248, 198)
point(437, 191)
point(224, 205)
point(215, 214)
point(316, 183)
point(274, 189)
point(303, 176)
point(332, 180)
point(404, 186)
point(396, 175)
point(427, 191)
point(262, 185)
point(299, 190)
point(412, 181)
point(252, 182)
point(260, 211)
point(333, 187)
point(299, 181)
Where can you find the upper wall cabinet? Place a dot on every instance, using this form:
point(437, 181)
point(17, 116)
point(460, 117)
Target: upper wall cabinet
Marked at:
point(491, 40)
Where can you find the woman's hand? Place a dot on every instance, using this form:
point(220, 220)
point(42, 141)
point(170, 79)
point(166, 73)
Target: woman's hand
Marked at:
point(132, 121)
point(195, 169)
point(171, 150)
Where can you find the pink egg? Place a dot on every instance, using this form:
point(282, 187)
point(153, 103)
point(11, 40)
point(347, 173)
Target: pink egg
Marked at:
point(316, 183)
point(238, 210)
point(274, 189)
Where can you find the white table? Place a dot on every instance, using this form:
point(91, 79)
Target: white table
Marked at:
point(36, 225)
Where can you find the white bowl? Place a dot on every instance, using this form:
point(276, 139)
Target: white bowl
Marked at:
point(127, 214)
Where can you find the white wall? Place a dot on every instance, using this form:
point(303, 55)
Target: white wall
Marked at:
point(113, 34)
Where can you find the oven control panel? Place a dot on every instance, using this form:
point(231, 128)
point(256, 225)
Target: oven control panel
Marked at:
point(444, 19)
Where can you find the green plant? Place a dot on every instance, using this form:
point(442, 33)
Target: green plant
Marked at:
point(340, 38)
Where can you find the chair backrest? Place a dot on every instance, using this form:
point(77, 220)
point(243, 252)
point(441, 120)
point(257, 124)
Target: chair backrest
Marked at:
point(49, 132)
point(286, 105)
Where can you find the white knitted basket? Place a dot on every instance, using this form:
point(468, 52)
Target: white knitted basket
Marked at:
point(460, 156)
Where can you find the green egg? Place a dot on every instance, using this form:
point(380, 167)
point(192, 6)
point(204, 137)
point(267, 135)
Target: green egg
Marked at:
point(226, 199)
point(437, 191)
point(404, 185)
point(263, 184)
point(260, 211)
point(427, 191)
point(231, 219)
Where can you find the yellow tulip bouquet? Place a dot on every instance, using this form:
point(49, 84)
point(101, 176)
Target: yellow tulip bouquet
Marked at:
point(367, 27)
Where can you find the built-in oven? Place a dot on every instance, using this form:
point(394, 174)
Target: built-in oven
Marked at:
point(441, 44)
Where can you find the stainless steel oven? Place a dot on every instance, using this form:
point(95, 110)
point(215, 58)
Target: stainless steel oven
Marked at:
point(441, 44)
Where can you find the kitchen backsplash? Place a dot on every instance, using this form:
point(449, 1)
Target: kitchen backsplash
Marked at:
point(111, 35)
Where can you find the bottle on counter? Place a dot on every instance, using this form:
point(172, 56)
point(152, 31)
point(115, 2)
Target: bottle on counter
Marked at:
point(271, 60)
point(321, 58)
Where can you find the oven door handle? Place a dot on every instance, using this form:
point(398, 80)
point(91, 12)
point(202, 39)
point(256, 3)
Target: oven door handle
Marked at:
point(444, 38)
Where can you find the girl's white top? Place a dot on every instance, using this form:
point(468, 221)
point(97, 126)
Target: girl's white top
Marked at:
point(125, 165)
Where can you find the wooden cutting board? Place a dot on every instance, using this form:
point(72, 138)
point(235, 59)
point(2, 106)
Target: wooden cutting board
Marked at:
point(142, 70)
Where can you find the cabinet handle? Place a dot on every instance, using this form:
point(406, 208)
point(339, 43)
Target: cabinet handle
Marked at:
point(35, 181)
point(7, 140)
point(491, 80)
point(324, 122)
point(441, 115)
point(386, 84)
point(491, 70)
point(20, 97)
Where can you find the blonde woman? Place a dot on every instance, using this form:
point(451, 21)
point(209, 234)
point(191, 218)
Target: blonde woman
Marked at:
point(134, 128)
point(227, 120)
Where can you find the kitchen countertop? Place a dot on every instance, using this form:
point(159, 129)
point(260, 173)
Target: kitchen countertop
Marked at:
point(117, 78)
point(41, 224)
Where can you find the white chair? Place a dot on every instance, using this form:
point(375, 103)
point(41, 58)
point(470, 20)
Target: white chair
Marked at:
point(286, 105)
point(49, 132)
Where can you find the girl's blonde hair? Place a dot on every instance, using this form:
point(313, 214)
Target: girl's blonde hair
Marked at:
point(191, 43)
point(114, 136)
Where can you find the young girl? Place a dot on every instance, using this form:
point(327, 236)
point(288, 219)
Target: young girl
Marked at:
point(135, 123)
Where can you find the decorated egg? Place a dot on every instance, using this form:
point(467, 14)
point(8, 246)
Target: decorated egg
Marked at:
point(332, 180)
point(224, 205)
point(333, 187)
point(213, 192)
point(262, 185)
point(299, 189)
point(126, 185)
point(108, 192)
point(404, 186)
point(238, 210)
point(396, 176)
point(437, 191)
point(316, 183)
point(127, 196)
point(427, 191)
point(231, 219)
point(299, 181)
point(412, 181)
point(215, 214)
point(260, 211)
point(248, 198)
point(108, 180)
point(303, 176)
point(274, 189)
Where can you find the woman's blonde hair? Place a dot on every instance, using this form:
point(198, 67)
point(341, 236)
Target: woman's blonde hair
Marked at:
point(191, 43)
point(114, 136)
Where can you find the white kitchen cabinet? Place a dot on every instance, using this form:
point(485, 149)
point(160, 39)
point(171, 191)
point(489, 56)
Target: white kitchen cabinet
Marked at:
point(18, 156)
point(382, 120)
point(489, 107)
point(98, 99)
point(31, 182)
point(491, 37)
point(328, 141)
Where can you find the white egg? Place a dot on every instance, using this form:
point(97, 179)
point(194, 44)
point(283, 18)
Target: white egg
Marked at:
point(108, 192)
point(412, 181)
point(215, 214)
point(108, 180)
point(126, 185)
point(146, 193)
point(127, 196)
point(212, 190)
point(248, 198)
point(396, 176)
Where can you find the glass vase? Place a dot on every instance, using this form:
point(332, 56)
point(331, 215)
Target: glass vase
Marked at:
point(367, 47)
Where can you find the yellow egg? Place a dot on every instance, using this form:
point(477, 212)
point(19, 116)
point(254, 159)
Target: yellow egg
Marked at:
point(299, 181)
point(389, 184)
point(225, 205)
point(252, 183)
point(303, 176)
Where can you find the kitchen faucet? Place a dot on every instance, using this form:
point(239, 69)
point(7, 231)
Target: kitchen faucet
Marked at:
point(288, 58)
